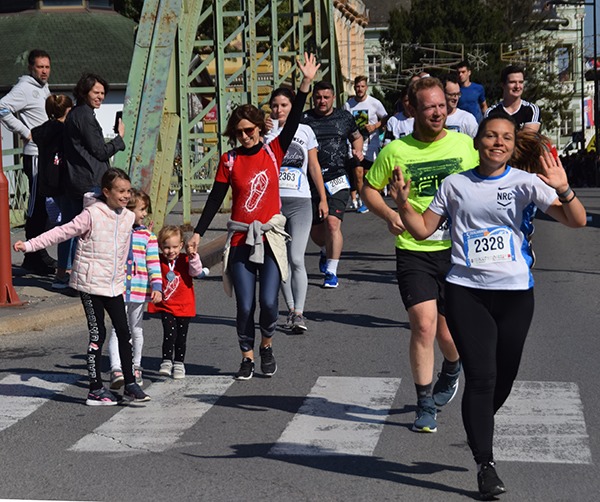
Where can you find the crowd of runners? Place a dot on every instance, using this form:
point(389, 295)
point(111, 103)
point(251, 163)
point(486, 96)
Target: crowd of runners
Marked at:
point(457, 184)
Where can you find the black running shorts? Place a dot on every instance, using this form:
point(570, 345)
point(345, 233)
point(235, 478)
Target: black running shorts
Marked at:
point(422, 276)
point(337, 205)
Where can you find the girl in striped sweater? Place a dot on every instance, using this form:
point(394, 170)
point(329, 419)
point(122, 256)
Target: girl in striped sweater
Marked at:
point(143, 283)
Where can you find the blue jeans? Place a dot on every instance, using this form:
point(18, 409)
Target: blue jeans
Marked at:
point(244, 276)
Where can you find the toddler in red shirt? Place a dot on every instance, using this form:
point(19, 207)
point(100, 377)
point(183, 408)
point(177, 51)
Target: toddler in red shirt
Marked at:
point(178, 305)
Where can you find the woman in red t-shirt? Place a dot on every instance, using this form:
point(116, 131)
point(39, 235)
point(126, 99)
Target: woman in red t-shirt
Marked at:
point(252, 172)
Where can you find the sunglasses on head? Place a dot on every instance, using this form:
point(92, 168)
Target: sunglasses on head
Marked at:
point(248, 131)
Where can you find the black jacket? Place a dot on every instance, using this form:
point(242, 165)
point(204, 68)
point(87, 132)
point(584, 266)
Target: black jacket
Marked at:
point(86, 152)
point(51, 166)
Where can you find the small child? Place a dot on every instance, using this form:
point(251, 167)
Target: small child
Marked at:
point(98, 273)
point(178, 305)
point(143, 283)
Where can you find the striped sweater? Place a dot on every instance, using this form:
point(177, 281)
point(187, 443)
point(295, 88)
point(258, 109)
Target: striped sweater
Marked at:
point(143, 267)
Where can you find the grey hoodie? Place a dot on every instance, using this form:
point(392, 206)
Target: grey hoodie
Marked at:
point(24, 108)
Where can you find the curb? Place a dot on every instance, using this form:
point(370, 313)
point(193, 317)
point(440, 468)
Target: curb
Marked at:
point(57, 310)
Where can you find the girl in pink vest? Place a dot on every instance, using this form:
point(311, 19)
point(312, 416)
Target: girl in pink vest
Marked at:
point(98, 273)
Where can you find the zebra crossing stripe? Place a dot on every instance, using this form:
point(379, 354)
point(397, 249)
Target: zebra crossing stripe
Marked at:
point(23, 394)
point(175, 407)
point(340, 416)
point(542, 422)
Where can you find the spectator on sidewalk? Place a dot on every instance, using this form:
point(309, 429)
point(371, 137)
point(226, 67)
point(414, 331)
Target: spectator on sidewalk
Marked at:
point(22, 109)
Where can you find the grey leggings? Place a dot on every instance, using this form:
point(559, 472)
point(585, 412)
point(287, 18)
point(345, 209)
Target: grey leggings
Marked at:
point(298, 212)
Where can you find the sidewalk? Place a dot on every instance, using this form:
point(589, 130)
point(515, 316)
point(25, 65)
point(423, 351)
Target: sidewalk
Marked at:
point(44, 306)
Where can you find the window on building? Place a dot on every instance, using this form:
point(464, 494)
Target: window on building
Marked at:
point(375, 68)
point(567, 124)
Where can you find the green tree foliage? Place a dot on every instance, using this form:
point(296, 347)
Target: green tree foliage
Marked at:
point(471, 27)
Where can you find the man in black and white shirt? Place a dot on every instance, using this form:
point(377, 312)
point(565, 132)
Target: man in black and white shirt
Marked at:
point(524, 113)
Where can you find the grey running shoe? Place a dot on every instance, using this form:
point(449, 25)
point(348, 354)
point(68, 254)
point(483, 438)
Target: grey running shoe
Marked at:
point(246, 371)
point(445, 388)
point(298, 324)
point(425, 421)
point(117, 380)
point(101, 397)
point(138, 375)
point(290, 320)
point(268, 366)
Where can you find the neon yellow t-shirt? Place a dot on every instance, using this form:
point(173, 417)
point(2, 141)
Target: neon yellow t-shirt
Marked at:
point(426, 165)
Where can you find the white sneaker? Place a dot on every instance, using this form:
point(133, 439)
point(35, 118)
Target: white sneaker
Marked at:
point(178, 371)
point(166, 367)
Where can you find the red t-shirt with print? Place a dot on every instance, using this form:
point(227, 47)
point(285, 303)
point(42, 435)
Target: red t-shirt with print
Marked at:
point(178, 295)
point(254, 181)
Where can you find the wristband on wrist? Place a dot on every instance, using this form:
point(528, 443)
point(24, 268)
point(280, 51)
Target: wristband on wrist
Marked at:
point(568, 201)
point(565, 194)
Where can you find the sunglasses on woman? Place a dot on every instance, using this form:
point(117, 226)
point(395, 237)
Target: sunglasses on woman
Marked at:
point(248, 131)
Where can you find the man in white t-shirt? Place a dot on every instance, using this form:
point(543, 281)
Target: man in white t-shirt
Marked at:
point(457, 119)
point(370, 116)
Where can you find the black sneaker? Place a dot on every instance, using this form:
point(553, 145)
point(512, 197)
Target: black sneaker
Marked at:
point(101, 397)
point(490, 485)
point(268, 366)
point(246, 371)
point(133, 393)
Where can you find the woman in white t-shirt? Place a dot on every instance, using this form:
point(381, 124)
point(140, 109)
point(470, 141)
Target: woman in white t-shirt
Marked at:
point(489, 288)
point(299, 162)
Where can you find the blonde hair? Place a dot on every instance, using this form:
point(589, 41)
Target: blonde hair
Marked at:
point(167, 232)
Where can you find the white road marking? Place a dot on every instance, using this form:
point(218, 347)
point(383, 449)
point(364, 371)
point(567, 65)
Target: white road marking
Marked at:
point(542, 422)
point(175, 407)
point(21, 395)
point(340, 416)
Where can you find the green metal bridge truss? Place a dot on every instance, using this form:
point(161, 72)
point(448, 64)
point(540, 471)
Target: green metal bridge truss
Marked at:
point(194, 60)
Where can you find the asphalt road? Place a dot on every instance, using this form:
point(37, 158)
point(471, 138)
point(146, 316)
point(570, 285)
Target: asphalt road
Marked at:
point(334, 423)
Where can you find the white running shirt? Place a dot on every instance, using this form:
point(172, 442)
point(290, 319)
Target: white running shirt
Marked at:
point(490, 220)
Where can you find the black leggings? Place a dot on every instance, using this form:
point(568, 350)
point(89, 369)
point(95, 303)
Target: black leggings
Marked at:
point(489, 329)
point(94, 307)
point(175, 330)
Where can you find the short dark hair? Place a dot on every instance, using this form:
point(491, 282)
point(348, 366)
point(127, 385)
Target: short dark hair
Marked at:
point(282, 91)
point(450, 77)
point(463, 64)
point(247, 112)
point(511, 69)
point(420, 85)
point(36, 53)
point(85, 84)
point(323, 86)
point(361, 78)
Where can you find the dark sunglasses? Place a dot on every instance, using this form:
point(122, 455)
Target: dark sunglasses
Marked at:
point(248, 131)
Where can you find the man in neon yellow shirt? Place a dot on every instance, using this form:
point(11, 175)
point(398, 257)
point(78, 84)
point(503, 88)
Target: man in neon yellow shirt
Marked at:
point(427, 156)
